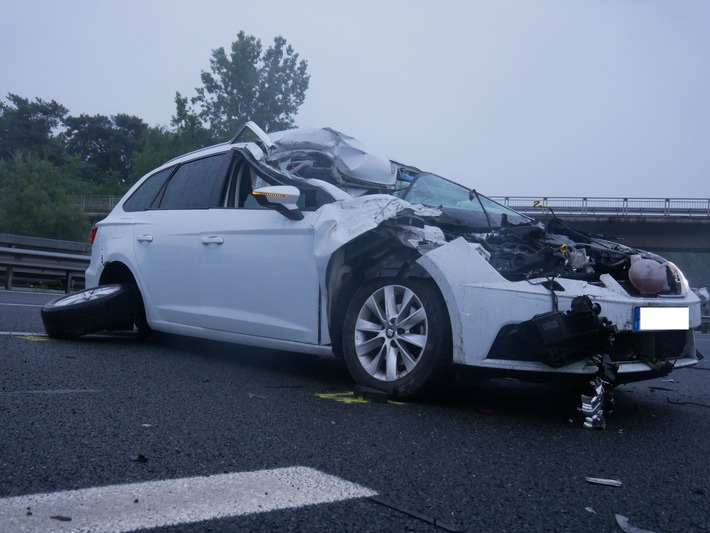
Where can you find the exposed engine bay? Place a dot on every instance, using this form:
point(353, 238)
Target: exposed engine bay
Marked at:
point(533, 250)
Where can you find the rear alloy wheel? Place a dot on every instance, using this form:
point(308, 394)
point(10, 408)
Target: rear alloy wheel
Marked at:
point(89, 311)
point(397, 337)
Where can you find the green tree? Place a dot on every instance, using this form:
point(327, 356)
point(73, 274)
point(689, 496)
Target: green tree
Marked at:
point(36, 198)
point(108, 145)
point(28, 127)
point(248, 84)
point(190, 133)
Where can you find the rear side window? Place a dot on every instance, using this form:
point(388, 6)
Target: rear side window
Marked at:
point(144, 196)
point(197, 184)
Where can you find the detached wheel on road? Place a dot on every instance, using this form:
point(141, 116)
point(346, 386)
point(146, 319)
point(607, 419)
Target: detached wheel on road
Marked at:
point(89, 311)
point(397, 337)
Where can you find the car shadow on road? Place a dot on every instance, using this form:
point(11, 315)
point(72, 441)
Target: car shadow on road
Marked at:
point(556, 402)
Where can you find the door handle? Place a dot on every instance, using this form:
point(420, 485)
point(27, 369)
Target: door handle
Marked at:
point(144, 238)
point(213, 239)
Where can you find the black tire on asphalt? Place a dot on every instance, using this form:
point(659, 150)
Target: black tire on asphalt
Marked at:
point(89, 311)
point(433, 367)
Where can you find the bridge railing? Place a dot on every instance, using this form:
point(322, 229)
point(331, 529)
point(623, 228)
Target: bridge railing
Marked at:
point(569, 205)
point(96, 204)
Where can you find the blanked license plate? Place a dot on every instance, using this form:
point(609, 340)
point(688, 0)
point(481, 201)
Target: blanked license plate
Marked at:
point(661, 318)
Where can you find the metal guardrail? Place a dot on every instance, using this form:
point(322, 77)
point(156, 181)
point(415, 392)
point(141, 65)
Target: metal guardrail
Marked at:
point(41, 259)
point(600, 206)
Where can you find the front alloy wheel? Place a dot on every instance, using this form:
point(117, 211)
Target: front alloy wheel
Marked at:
point(397, 336)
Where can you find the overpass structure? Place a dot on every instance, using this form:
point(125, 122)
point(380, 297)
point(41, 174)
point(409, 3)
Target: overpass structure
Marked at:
point(657, 224)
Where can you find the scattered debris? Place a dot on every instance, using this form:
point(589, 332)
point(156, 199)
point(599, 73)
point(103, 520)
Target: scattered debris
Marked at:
point(687, 403)
point(146, 425)
point(424, 518)
point(252, 395)
point(603, 481)
point(590, 510)
point(595, 405)
point(61, 518)
point(623, 523)
point(140, 458)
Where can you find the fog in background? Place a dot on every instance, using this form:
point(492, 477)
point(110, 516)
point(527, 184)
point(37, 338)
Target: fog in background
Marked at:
point(546, 98)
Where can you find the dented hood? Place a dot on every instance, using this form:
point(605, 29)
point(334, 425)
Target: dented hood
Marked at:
point(326, 154)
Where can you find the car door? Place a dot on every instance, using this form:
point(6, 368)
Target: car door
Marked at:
point(167, 239)
point(258, 274)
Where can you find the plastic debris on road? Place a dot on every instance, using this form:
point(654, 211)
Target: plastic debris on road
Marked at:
point(603, 481)
point(623, 523)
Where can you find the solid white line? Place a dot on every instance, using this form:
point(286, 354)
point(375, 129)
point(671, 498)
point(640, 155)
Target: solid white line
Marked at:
point(121, 508)
point(22, 305)
point(22, 334)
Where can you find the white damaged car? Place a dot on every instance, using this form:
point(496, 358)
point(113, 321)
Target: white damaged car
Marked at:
point(304, 240)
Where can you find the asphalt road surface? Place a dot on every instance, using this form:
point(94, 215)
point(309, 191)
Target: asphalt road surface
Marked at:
point(178, 435)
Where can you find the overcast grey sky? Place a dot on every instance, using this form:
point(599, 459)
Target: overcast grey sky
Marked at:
point(526, 97)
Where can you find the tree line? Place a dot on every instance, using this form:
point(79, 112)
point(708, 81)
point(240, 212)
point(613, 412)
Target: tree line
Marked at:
point(48, 157)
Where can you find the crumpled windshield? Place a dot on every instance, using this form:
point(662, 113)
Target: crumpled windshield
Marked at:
point(435, 191)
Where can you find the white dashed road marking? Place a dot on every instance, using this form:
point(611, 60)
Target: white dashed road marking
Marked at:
point(119, 508)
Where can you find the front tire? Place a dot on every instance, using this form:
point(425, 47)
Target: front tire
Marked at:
point(397, 337)
point(88, 311)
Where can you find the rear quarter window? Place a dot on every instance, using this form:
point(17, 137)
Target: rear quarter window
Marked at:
point(144, 196)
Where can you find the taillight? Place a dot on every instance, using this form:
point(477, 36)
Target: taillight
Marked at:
point(93, 234)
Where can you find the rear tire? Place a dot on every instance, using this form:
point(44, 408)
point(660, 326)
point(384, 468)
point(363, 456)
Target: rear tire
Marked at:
point(89, 311)
point(397, 337)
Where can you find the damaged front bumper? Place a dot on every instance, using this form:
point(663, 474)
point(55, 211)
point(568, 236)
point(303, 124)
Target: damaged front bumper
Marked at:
point(558, 326)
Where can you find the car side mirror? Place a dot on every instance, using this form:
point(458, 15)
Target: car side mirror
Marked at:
point(283, 198)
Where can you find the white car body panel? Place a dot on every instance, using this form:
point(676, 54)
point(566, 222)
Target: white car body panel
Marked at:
point(262, 280)
point(167, 248)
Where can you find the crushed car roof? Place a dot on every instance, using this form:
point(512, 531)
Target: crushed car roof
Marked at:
point(327, 154)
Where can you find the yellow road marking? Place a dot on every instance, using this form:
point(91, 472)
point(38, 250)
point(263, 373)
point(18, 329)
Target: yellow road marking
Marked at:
point(34, 338)
point(343, 397)
point(348, 397)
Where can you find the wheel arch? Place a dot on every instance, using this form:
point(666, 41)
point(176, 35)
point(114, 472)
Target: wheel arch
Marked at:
point(367, 257)
point(119, 272)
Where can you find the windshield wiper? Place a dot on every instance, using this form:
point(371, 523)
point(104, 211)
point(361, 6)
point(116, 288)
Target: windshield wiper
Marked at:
point(471, 194)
